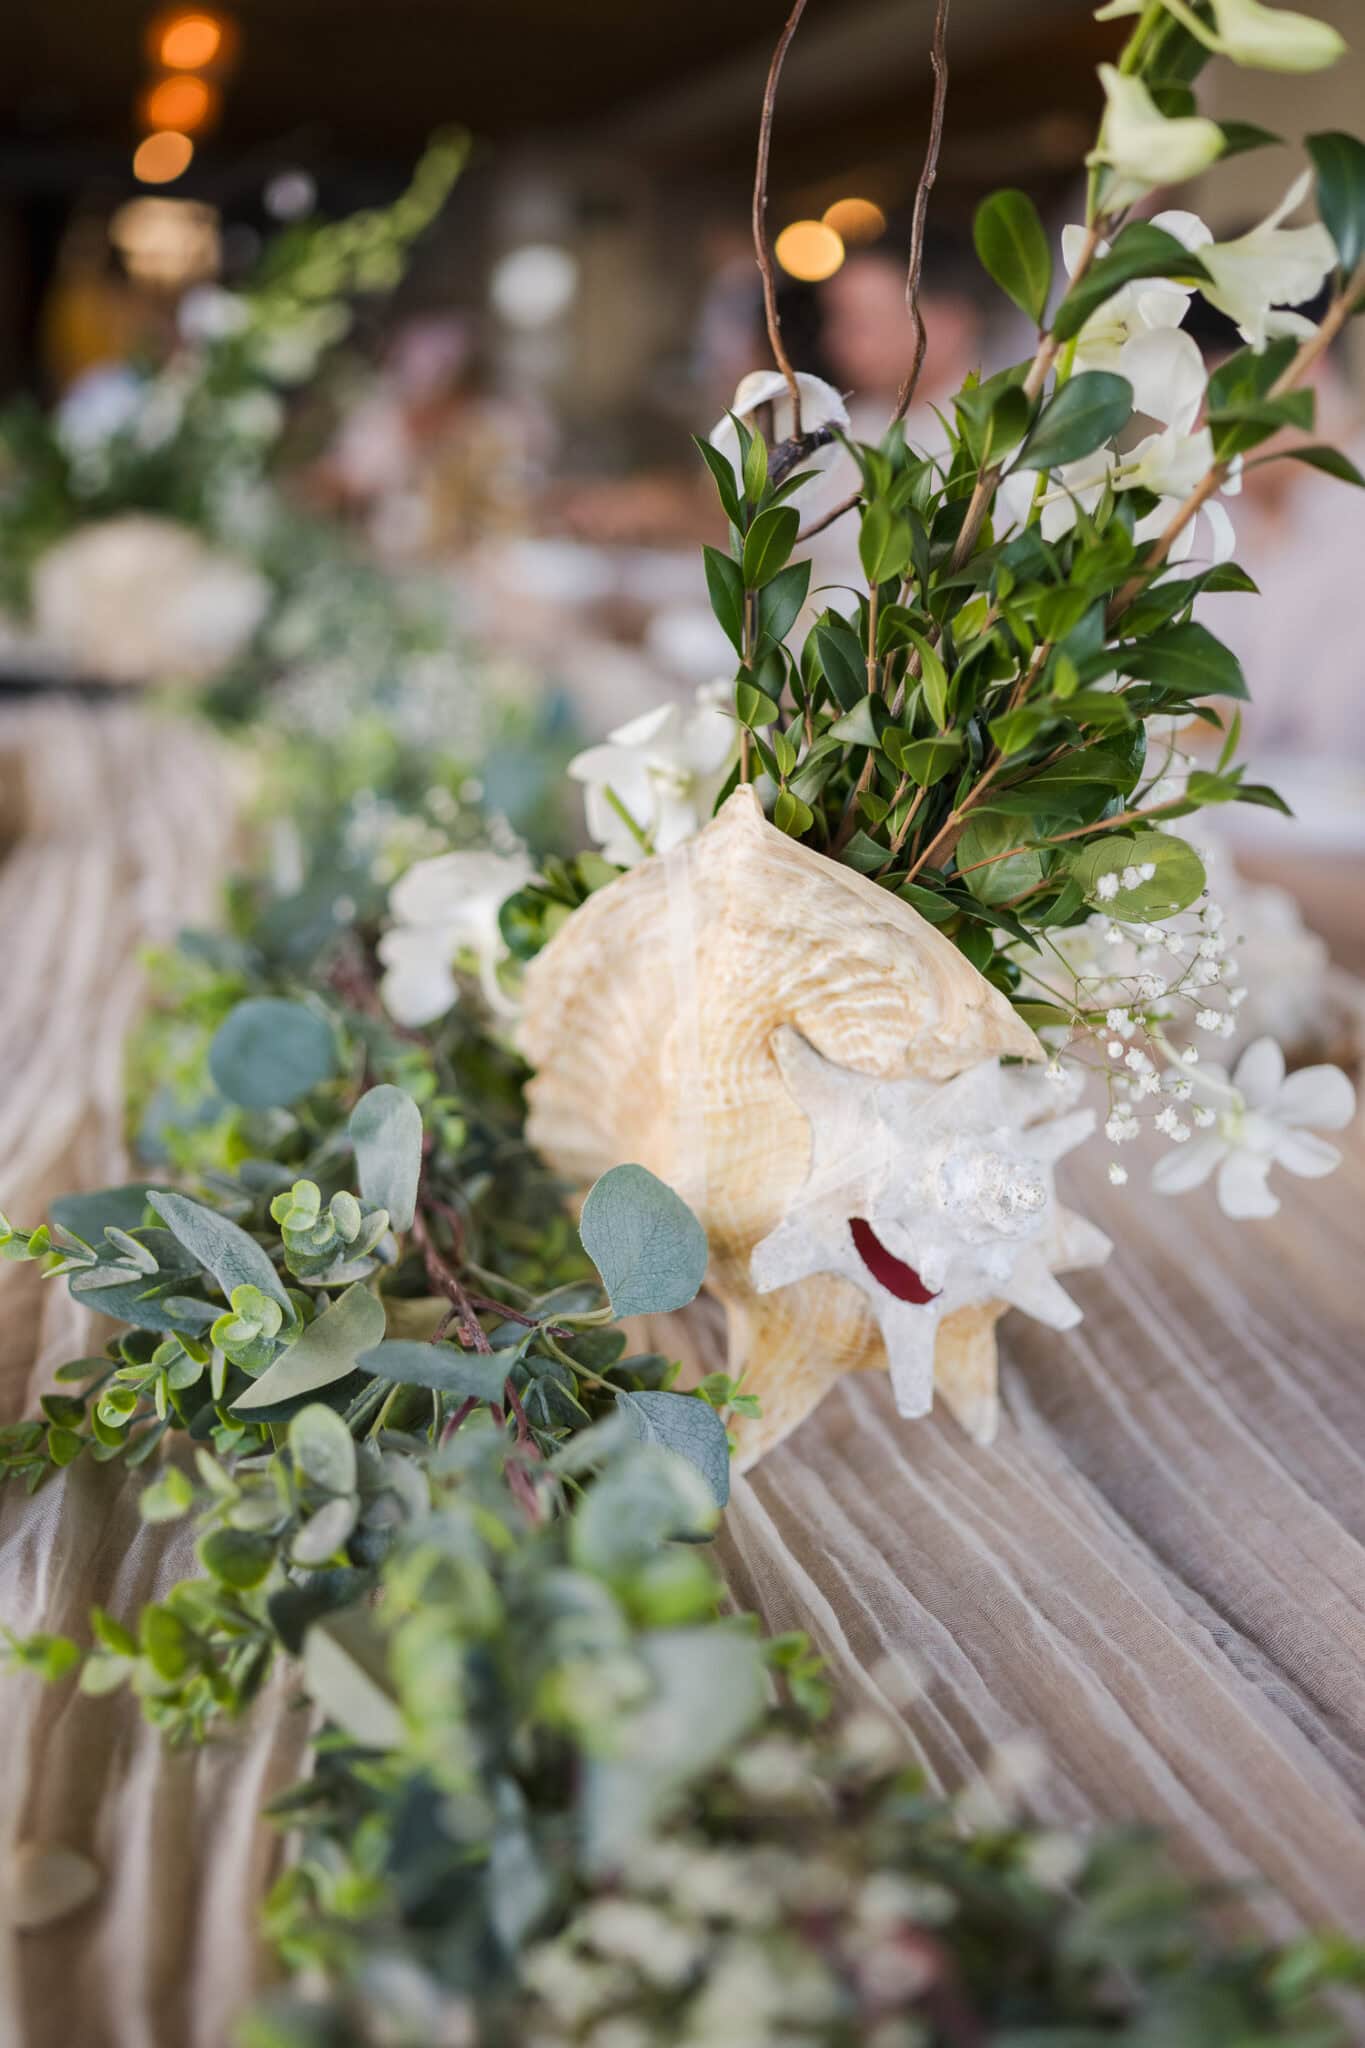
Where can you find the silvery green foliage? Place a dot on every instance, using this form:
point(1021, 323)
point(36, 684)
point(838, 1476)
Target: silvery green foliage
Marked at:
point(561, 1790)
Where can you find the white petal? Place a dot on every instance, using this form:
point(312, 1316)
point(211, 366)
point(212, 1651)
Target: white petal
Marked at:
point(1014, 499)
point(1188, 1166)
point(1186, 227)
point(1073, 241)
point(1224, 533)
point(1259, 1074)
point(1242, 1189)
point(821, 406)
point(417, 994)
point(648, 728)
point(1166, 371)
point(1300, 1152)
point(1319, 1096)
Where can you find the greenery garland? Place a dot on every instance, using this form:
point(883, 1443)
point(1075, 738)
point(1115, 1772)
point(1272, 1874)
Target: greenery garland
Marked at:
point(559, 1794)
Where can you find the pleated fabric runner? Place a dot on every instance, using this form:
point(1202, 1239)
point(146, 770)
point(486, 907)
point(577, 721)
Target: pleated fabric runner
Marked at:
point(1158, 1569)
point(116, 829)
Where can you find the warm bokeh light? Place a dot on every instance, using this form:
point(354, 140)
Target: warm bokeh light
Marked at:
point(162, 157)
point(855, 220)
point(182, 102)
point(187, 42)
point(167, 242)
point(809, 250)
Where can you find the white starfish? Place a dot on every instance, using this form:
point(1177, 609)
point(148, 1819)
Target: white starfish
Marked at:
point(929, 1197)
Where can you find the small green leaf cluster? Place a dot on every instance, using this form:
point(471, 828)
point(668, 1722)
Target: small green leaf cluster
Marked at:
point(327, 1243)
point(971, 731)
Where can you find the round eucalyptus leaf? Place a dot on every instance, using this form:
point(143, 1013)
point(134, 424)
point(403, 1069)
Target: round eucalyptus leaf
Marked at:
point(268, 1052)
point(323, 1534)
point(323, 1448)
point(644, 1241)
point(687, 1425)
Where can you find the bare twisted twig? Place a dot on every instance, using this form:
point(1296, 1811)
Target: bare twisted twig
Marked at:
point(760, 215)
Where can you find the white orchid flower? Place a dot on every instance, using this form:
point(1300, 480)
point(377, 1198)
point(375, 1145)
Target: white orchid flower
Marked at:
point(1274, 38)
point(1170, 464)
point(1264, 1119)
point(445, 912)
point(1076, 486)
point(1137, 332)
point(1142, 147)
point(821, 406)
point(1268, 269)
point(1262, 38)
point(653, 782)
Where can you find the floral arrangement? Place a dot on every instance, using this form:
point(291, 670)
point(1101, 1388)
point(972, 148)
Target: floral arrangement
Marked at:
point(986, 748)
point(560, 1794)
point(140, 534)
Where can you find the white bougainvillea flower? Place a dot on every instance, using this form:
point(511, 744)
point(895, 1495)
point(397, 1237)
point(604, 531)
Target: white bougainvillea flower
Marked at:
point(445, 914)
point(1262, 38)
point(1271, 268)
point(1137, 332)
point(821, 406)
point(654, 781)
point(1142, 147)
point(1264, 1118)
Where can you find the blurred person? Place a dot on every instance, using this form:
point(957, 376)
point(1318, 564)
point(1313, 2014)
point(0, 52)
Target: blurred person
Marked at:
point(427, 457)
point(866, 343)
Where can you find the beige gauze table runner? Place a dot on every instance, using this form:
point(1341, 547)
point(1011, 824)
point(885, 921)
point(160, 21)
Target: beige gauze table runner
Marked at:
point(1158, 1569)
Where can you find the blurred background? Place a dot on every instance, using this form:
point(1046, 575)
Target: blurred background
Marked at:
point(513, 415)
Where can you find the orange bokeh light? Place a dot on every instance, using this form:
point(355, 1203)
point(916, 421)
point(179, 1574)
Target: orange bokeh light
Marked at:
point(182, 102)
point(856, 220)
point(809, 250)
point(162, 157)
point(188, 42)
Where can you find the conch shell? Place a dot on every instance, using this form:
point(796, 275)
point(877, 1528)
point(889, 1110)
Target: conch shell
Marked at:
point(669, 1023)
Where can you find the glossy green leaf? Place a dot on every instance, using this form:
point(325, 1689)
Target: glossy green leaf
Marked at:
point(780, 601)
point(1184, 658)
point(883, 544)
point(1330, 461)
point(1339, 161)
point(725, 587)
point(723, 476)
point(987, 839)
point(1178, 880)
point(768, 543)
point(1014, 250)
point(1140, 250)
point(1088, 410)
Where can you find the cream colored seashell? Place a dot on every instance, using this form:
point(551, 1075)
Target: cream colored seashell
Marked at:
point(651, 1020)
